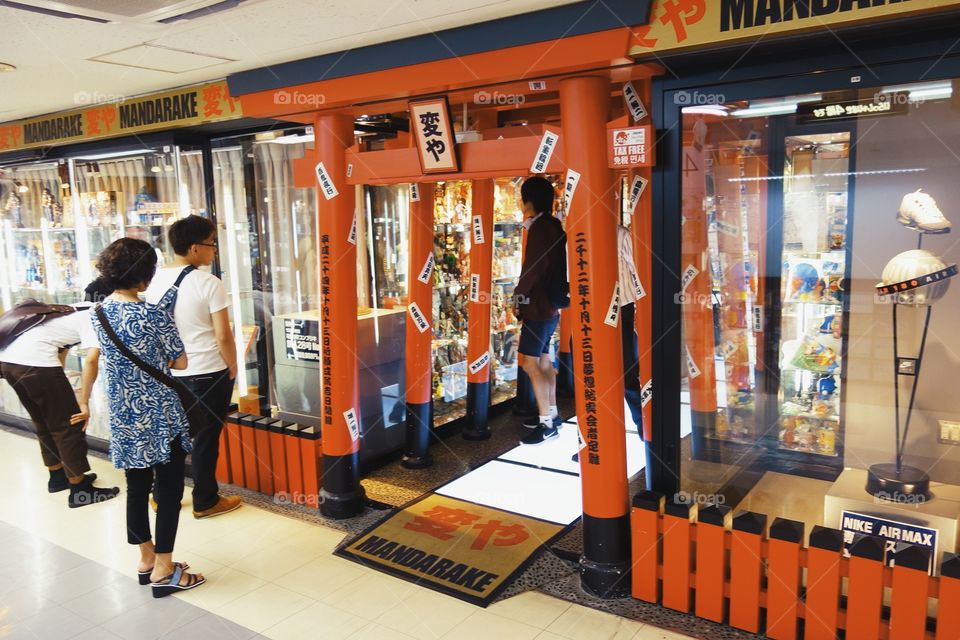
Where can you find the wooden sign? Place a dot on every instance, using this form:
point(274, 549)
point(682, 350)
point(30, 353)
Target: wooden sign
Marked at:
point(431, 122)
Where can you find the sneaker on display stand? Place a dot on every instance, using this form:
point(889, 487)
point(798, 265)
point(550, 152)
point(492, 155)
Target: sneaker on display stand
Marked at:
point(919, 211)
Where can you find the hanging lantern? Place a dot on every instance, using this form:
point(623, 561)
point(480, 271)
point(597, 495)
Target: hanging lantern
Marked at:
point(916, 277)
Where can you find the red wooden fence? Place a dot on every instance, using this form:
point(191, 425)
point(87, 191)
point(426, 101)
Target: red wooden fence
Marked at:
point(733, 570)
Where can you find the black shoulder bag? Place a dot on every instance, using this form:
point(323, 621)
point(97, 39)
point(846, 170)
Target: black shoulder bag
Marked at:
point(196, 415)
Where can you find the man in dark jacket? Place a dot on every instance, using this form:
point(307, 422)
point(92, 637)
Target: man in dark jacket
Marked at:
point(543, 257)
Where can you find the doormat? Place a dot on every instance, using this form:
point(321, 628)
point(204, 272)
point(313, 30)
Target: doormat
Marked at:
point(463, 549)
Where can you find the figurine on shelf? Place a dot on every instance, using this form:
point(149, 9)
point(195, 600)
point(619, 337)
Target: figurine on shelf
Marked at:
point(804, 282)
point(13, 208)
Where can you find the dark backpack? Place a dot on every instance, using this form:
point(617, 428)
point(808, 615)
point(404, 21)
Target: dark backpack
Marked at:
point(25, 316)
point(558, 287)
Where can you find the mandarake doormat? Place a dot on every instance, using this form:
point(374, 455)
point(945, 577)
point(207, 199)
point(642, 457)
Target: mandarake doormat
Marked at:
point(460, 548)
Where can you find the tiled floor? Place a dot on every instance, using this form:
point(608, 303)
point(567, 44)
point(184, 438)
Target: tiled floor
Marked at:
point(68, 573)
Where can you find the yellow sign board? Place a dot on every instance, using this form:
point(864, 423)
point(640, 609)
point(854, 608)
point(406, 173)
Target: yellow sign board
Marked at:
point(685, 24)
point(180, 108)
point(461, 548)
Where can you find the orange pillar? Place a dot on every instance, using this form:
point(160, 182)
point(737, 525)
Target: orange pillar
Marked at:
point(341, 495)
point(478, 312)
point(419, 360)
point(591, 228)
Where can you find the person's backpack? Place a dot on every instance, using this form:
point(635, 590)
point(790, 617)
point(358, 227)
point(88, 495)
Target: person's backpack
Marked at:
point(558, 286)
point(25, 316)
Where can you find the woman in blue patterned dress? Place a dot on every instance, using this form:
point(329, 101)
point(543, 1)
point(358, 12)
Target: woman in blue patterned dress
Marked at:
point(149, 436)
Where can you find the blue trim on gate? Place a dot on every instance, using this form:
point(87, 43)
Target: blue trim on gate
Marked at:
point(550, 24)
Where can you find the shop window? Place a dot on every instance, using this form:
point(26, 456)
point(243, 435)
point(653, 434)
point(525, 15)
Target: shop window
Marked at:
point(795, 209)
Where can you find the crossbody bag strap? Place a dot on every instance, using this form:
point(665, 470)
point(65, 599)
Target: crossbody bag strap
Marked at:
point(176, 285)
point(149, 369)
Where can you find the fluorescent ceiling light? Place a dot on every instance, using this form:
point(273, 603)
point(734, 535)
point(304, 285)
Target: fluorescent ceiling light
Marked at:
point(116, 154)
point(919, 91)
point(706, 111)
point(766, 110)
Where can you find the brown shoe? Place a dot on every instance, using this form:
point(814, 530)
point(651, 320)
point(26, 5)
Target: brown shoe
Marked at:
point(224, 505)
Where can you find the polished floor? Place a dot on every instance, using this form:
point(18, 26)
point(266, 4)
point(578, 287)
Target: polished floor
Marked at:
point(69, 573)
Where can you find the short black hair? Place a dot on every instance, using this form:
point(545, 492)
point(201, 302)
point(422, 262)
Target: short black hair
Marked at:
point(186, 232)
point(96, 291)
point(127, 262)
point(539, 192)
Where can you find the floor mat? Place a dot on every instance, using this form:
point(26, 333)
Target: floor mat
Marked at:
point(460, 548)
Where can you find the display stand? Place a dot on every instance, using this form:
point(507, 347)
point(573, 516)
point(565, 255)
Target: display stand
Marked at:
point(915, 279)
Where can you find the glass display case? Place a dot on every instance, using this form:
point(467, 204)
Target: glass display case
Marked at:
point(57, 217)
point(451, 249)
point(507, 260)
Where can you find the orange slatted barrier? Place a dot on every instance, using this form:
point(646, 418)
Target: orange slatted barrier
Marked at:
point(291, 436)
point(248, 444)
point(234, 450)
point(746, 570)
point(783, 579)
point(732, 571)
point(677, 532)
point(644, 521)
point(711, 562)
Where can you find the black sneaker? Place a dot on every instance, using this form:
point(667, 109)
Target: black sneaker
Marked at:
point(85, 493)
point(541, 434)
point(56, 485)
point(534, 421)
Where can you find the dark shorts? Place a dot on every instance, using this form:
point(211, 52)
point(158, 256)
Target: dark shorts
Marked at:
point(535, 336)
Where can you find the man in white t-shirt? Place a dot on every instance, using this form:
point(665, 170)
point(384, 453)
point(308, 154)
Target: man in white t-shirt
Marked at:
point(33, 365)
point(202, 319)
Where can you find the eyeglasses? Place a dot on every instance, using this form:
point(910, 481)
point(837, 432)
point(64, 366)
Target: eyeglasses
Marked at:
point(207, 244)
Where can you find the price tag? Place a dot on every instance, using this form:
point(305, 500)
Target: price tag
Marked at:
point(427, 270)
point(478, 230)
point(688, 275)
point(419, 321)
point(480, 363)
point(350, 417)
point(352, 238)
point(474, 287)
point(545, 152)
point(613, 311)
point(634, 103)
point(414, 192)
point(692, 368)
point(637, 187)
point(326, 183)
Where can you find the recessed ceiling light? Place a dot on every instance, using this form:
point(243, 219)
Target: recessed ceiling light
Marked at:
point(6, 66)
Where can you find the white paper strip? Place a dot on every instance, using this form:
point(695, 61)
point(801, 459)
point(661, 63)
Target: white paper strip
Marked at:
point(427, 270)
point(480, 363)
point(613, 311)
point(419, 321)
point(542, 159)
point(350, 417)
point(326, 182)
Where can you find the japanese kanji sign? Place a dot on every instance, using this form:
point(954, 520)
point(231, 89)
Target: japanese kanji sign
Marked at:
point(461, 548)
point(430, 121)
point(634, 103)
point(105, 119)
point(570, 188)
point(474, 287)
point(544, 152)
point(480, 362)
point(419, 320)
point(427, 271)
point(327, 187)
point(414, 192)
point(685, 24)
point(350, 417)
point(630, 147)
point(636, 190)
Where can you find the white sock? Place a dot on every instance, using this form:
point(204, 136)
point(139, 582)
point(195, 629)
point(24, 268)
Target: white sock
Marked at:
point(546, 420)
point(553, 411)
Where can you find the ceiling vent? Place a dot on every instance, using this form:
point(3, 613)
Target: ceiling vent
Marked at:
point(156, 58)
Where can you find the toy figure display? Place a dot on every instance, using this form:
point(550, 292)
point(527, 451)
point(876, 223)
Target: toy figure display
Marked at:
point(13, 209)
point(51, 209)
point(29, 262)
